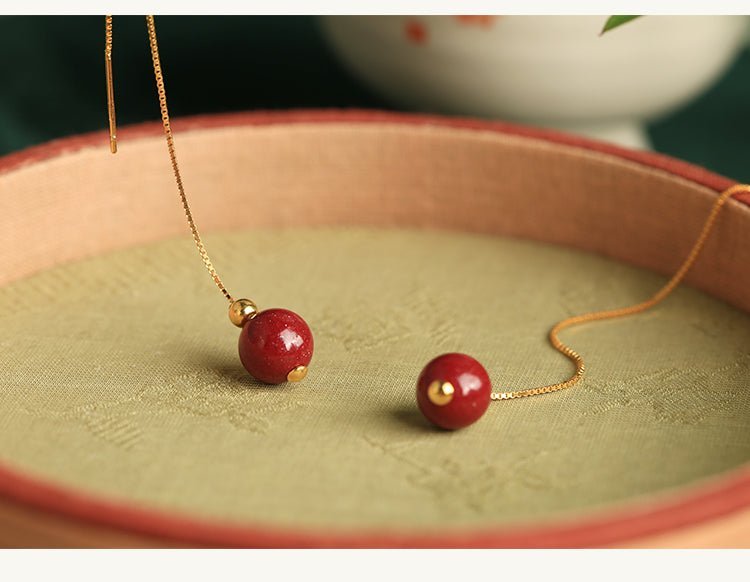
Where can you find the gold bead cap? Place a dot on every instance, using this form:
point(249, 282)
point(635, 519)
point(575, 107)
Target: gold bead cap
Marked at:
point(297, 374)
point(440, 393)
point(241, 310)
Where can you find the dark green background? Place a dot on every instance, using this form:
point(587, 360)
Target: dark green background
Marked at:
point(52, 83)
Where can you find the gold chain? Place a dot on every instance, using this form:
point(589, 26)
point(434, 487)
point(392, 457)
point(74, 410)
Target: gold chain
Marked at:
point(554, 338)
point(167, 133)
point(173, 158)
point(654, 300)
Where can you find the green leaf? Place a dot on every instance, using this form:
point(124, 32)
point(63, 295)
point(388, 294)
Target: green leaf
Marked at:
point(615, 21)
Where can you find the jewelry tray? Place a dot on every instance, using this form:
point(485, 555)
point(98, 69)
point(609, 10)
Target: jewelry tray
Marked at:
point(127, 420)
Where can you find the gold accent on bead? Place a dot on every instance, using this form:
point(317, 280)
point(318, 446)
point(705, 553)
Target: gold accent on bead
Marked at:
point(241, 310)
point(298, 374)
point(440, 393)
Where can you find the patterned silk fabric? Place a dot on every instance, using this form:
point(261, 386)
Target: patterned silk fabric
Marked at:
point(120, 377)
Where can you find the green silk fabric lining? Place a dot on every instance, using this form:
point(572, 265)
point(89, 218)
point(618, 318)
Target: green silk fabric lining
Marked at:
point(121, 378)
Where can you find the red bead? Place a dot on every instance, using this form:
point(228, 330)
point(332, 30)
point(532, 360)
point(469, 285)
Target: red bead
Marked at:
point(273, 343)
point(453, 391)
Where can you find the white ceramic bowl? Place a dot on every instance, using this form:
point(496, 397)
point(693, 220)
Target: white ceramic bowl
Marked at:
point(545, 70)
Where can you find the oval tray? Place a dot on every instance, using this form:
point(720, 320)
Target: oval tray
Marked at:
point(80, 226)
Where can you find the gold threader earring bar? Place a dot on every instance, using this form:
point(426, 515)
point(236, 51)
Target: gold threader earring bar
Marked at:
point(110, 84)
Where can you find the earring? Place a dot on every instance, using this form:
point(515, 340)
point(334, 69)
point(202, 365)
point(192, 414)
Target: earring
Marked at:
point(453, 390)
point(275, 345)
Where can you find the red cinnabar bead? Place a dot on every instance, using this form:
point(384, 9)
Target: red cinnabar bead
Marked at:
point(274, 343)
point(453, 391)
